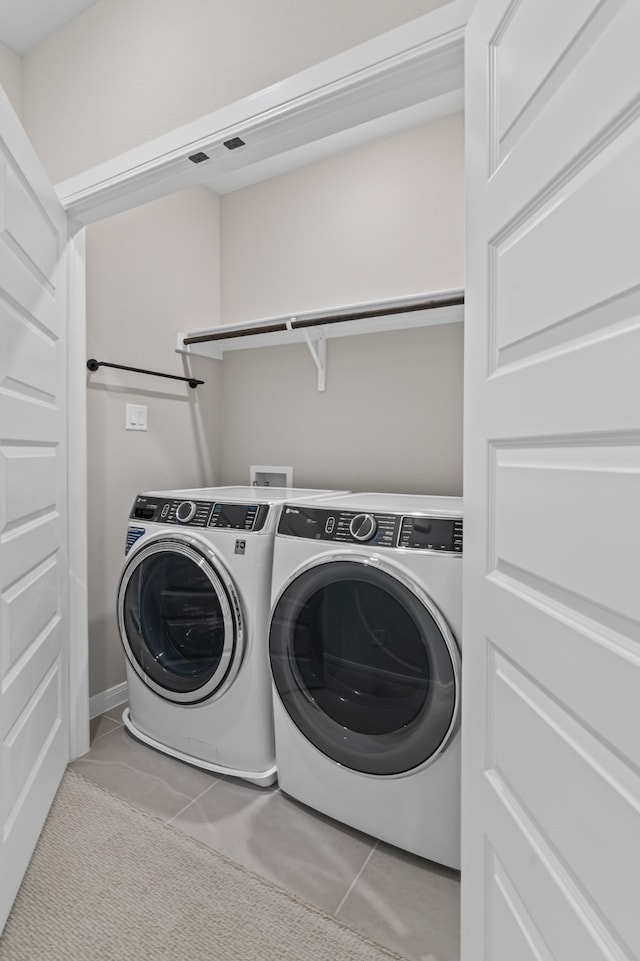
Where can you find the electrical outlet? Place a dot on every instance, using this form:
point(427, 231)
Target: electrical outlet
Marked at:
point(136, 417)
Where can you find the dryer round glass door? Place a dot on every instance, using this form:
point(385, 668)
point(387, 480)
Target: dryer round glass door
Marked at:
point(177, 621)
point(366, 667)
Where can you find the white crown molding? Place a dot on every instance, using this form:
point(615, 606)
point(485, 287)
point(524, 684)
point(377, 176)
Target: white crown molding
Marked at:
point(394, 75)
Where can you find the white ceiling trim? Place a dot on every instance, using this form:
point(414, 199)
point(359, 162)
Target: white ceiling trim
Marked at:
point(353, 136)
point(405, 76)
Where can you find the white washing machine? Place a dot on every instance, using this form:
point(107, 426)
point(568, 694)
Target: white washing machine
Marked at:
point(193, 608)
point(364, 647)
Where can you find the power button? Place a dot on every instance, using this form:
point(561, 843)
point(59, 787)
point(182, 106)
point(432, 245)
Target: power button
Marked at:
point(329, 526)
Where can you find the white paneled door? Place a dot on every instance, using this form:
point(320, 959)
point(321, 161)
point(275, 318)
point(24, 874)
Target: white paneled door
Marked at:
point(551, 691)
point(34, 648)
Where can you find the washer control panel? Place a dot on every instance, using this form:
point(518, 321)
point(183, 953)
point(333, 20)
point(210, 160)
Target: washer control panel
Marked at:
point(238, 517)
point(188, 513)
point(413, 532)
point(431, 534)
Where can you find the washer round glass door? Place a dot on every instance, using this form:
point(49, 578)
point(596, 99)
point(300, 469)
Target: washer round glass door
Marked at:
point(177, 622)
point(366, 666)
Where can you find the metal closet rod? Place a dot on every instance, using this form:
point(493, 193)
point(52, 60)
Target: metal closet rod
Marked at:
point(94, 364)
point(323, 321)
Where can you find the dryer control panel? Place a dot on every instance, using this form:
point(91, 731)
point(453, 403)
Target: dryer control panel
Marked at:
point(412, 532)
point(187, 513)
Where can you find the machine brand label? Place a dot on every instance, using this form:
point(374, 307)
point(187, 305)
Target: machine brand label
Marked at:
point(133, 534)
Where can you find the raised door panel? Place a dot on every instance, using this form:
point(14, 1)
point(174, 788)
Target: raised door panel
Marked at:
point(542, 67)
point(591, 779)
point(581, 514)
point(575, 282)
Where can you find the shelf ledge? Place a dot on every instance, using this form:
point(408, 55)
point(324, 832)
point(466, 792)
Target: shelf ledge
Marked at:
point(314, 327)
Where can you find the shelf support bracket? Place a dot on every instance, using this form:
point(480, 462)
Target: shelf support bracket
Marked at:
point(318, 352)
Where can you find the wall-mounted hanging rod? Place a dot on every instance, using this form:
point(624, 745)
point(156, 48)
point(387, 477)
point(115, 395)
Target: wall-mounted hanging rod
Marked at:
point(428, 303)
point(94, 364)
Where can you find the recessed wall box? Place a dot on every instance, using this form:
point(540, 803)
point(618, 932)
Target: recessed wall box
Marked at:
point(260, 476)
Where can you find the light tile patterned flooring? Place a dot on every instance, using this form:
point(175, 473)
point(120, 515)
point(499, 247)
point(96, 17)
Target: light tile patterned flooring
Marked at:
point(399, 900)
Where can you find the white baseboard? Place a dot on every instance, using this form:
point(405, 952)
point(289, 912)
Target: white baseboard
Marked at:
point(107, 700)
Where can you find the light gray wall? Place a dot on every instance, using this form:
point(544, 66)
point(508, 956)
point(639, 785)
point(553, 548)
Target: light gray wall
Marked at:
point(125, 71)
point(148, 271)
point(383, 220)
point(390, 419)
point(11, 76)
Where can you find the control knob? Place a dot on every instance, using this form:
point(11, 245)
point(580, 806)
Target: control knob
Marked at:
point(363, 527)
point(185, 511)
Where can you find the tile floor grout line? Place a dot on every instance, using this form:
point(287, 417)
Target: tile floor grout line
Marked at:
point(105, 734)
point(116, 710)
point(193, 800)
point(117, 728)
point(351, 886)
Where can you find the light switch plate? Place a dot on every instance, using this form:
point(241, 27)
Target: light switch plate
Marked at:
point(136, 417)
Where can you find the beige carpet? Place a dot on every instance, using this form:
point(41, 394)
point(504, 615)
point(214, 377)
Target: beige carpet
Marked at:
point(109, 883)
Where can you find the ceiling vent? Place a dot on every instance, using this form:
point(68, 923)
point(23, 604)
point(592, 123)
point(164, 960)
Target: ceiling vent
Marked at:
point(234, 143)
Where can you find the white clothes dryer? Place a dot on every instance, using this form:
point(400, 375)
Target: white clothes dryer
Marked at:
point(365, 657)
point(193, 609)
